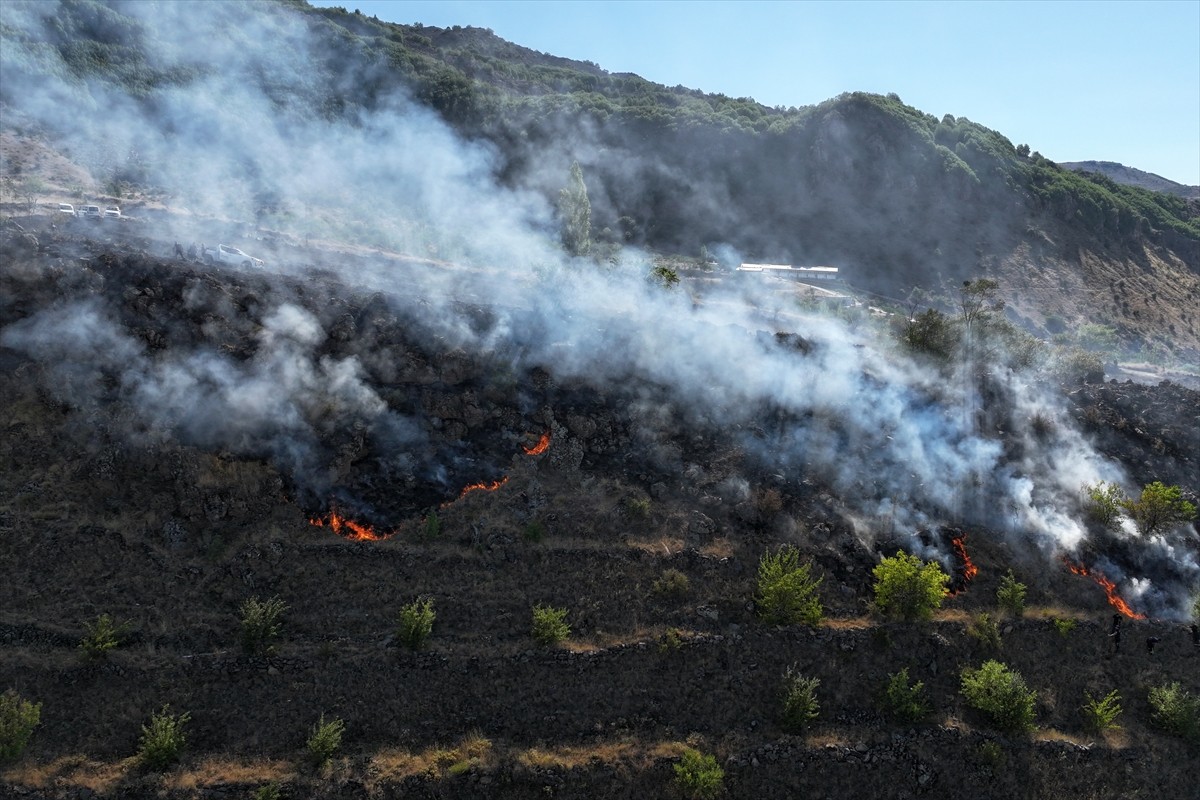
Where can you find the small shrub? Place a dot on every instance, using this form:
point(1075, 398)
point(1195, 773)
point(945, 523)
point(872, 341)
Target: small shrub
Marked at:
point(1011, 595)
point(18, 718)
point(800, 706)
point(261, 624)
point(268, 792)
point(672, 640)
point(1102, 503)
point(993, 755)
point(324, 740)
point(1101, 715)
point(550, 625)
point(672, 583)
point(638, 507)
point(908, 587)
point(984, 629)
point(102, 635)
point(1158, 507)
point(903, 701)
point(416, 623)
point(432, 528)
point(1176, 711)
point(1001, 694)
point(1064, 626)
point(1196, 609)
point(534, 532)
point(787, 592)
point(162, 739)
point(698, 776)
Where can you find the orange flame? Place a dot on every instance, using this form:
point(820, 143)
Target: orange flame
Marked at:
point(477, 487)
point(541, 446)
point(349, 529)
point(959, 543)
point(1110, 589)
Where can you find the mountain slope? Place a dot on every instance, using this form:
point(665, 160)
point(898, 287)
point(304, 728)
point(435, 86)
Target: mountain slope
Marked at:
point(1129, 176)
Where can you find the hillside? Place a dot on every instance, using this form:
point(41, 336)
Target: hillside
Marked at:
point(1130, 176)
point(897, 198)
point(413, 386)
point(113, 488)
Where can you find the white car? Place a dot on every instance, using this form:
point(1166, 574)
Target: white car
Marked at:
point(90, 211)
point(66, 208)
point(225, 254)
point(112, 213)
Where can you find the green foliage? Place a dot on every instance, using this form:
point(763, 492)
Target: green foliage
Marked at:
point(984, 629)
point(672, 583)
point(664, 276)
point(672, 640)
point(787, 592)
point(800, 706)
point(909, 588)
point(416, 623)
point(550, 625)
point(1103, 502)
point(162, 739)
point(698, 776)
point(930, 333)
point(268, 791)
point(1001, 694)
point(431, 528)
point(1076, 364)
point(902, 700)
point(102, 635)
point(1159, 507)
point(993, 755)
point(534, 532)
point(261, 624)
point(324, 740)
point(978, 301)
point(575, 210)
point(638, 507)
point(1064, 626)
point(18, 718)
point(1011, 595)
point(1101, 715)
point(1176, 711)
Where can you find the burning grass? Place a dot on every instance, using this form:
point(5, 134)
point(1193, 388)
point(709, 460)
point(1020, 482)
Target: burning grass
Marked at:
point(1110, 589)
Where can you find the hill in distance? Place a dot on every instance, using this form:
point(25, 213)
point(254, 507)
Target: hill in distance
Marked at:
point(1130, 176)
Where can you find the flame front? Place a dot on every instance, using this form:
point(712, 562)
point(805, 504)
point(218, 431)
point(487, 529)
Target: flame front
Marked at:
point(541, 446)
point(477, 487)
point(348, 528)
point(969, 569)
point(1115, 600)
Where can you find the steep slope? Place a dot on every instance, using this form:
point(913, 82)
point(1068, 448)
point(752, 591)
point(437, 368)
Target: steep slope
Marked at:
point(1130, 176)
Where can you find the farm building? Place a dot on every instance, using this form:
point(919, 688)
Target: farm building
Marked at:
point(788, 271)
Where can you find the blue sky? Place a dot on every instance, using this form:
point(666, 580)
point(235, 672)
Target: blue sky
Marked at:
point(1109, 81)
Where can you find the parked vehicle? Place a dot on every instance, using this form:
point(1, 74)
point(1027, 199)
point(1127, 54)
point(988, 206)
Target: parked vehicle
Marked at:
point(112, 213)
point(224, 254)
point(90, 211)
point(66, 208)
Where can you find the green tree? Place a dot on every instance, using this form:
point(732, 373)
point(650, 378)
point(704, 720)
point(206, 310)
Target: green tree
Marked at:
point(1159, 507)
point(324, 740)
point(432, 528)
point(800, 706)
point(698, 776)
point(102, 635)
point(1011, 595)
point(903, 700)
point(550, 624)
point(162, 739)
point(1001, 694)
point(909, 588)
point(1101, 715)
point(416, 623)
point(978, 301)
point(18, 718)
point(575, 211)
point(787, 592)
point(930, 333)
point(261, 624)
point(1176, 711)
point(1102, 502)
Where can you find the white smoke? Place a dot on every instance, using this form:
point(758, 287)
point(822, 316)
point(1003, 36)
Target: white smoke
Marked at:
point(887, 435)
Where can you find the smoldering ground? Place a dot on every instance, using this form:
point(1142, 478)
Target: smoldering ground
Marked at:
point(243, 132)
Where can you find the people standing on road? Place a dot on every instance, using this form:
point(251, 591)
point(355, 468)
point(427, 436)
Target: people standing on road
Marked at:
point(178, 251)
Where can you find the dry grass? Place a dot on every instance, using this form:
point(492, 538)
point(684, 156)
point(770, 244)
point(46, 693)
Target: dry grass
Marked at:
point(74, 770)
point(473, 750)
point(220, 771)
point(632, 754)
point(659, 545)
point(718, 548)
point(848, 623)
